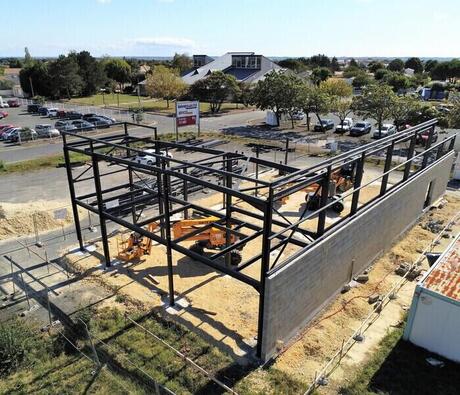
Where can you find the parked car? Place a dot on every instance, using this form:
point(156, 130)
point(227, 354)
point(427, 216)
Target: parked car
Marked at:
point(43, 110)
point(73, 115)
point(112, 120)
point(360, 128)
point(4, 129)
point(345, 126)
point(46, 130)
point(89, 115)
point(22, 134)
point(82, 125)
point(326, 124)
point(3, 114)
point(386, 130)
point(7, 132)
point(298, 116)
point(145, 159)
point(99, 122)
point(3, 104)
point(61, 114)
point(13, 103)
point(422, 138)
point(52, 112)
point(64, 126)
point(33, 108)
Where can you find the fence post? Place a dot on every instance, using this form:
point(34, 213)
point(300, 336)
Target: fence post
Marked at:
point(49, 307)
point(37, 240)
point(96, 357)
point(12, 276)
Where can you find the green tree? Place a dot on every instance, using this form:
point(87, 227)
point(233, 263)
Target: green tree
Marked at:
point(401, 109)
point(65, 78)
point(397, 81)
point(414, 64)
point(374, 66)
point(361, 80)
point(335, 64)
point(454, 115)
point(319, 61)
point(375, 102)
point(91, 72)
point(337, 87)
point(380, 74)
point(35, 79)
point(278, 92)
point(215, 89)
point(430, 64)
point(27, 58)
point(245, 93)
point(396, 65)
point(293, 64)
point(313, 99)
point(165, 83)
point(341, 108)
point(352, 71)
point(353, 63)
point(182, 62)
point(320, 74)
point(118, 70)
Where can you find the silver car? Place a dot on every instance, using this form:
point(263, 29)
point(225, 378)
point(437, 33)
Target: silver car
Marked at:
point(386, 130)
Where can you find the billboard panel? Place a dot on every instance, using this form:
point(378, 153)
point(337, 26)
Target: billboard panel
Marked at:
point(187, 113)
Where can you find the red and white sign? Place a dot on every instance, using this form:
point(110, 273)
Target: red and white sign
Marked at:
point(187, 113)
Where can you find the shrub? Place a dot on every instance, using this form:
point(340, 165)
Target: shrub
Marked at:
point(17, 341)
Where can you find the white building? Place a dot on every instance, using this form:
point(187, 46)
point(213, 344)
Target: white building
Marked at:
point(434, 316)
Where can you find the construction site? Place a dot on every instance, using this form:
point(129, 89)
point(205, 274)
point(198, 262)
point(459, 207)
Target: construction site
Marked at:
point(246, 251)
point(211, 270)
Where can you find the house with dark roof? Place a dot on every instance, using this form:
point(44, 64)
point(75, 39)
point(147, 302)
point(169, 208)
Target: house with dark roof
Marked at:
point(244, 66)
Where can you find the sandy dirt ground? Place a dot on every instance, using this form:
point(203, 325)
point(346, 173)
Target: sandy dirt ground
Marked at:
point(20, 219)
point(312, 349)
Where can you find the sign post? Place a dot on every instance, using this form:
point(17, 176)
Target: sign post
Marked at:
point(187, 113)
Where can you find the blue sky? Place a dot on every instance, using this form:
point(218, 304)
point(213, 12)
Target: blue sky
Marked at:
point(270, 27)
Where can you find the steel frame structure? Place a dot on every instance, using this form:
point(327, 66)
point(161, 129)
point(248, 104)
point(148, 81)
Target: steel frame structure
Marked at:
point(265, 221)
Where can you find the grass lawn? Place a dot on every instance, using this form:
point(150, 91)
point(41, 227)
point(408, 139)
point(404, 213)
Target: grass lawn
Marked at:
point(129, 101)
point(399, 367)
point(53, 371)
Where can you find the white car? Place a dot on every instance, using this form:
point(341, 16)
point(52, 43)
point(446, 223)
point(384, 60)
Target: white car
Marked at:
point(47, 131)
point(387, 130)
point(4, 104)
point(347, 125)
point(145, 159)
point(298, 116)
point(53, 112)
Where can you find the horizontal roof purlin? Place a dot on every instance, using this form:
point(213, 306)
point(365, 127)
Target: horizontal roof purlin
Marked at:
point(444, 277)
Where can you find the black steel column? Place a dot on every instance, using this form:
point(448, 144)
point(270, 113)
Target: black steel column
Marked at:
point(228, 209)
point(429, 141)
point(130, 177)
point(286, 151)
point(256, 191)
point(264, 267)
point(76, 217)
point(185, 193)
point(325, 182)
point(100, 206)
point(167, 224)
point(410, 154)
point(159, 163)
point(357, 184)
point(440, 150)
point(386, 168)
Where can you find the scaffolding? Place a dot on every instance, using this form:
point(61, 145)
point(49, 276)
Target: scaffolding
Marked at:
point(166, 187)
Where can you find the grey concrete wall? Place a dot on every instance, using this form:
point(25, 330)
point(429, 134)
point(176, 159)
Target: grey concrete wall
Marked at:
point(299, 290)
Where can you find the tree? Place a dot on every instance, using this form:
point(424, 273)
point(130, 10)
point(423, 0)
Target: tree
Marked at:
point(341, 108)
point(64, 77)
point(335, 64)
point(380, 74)
point(353, 63)
point(319, 61)
point(397, 81)
point(278, 92)
point(215, 89)
point(361, 80)
point(165, 83)
point(374, 66)
point(375, 102)
point(320, 74)
point(414, 64)
point(118, 70)
point(454, 115)
point(396, 65)
point(430, 64)
point(337, 87)
point(245, 93)
point(35, 79)
point(352, 71)
point(182, 62)
point(313, 99)
point(293, 64)
point(402, 107)
point(27, 57)
point(91, 72)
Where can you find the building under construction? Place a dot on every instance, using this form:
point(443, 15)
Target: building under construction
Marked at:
point(303, 259)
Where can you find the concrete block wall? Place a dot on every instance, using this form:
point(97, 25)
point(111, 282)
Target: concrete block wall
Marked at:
point(298, 291)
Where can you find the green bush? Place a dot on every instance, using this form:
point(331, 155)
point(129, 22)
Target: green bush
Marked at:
point(17, 342)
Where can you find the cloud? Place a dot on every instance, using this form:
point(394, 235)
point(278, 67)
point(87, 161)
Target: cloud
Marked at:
point(179, 42)
point(104, 1)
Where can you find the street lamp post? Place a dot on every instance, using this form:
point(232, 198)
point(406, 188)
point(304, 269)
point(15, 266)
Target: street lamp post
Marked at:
point(118, 97)
point(103, 95)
